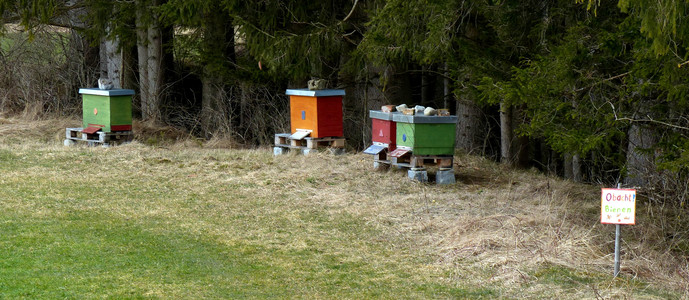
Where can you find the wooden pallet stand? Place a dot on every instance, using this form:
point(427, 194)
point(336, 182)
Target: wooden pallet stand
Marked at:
point(105, 139)
point(416, 164)
point(285, 142)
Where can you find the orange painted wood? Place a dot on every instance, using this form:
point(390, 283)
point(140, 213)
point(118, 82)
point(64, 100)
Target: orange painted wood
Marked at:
point(321, 115)
point(303, 111)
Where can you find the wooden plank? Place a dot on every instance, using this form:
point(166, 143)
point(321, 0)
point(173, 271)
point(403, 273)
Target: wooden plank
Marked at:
point(338, 143)
point(311, 144)
point(444, 162)
point(403, 165)
point(416, 162)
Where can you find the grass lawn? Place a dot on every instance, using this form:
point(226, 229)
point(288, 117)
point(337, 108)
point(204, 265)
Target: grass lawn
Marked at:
point(181, 221)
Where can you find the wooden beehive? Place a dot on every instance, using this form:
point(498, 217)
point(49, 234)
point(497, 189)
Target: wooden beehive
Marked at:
point(383, 129)
point(426, 135)
point(107, 110)
point(317, 111)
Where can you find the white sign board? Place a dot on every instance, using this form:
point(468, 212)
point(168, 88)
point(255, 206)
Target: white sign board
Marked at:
point(618, 206)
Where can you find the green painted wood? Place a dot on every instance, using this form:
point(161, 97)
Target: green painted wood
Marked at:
point(121, 110)
point(96, 110)
point(106, 111)
point(427, 139)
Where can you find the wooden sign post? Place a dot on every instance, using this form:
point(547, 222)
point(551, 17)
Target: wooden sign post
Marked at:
point(618, 206)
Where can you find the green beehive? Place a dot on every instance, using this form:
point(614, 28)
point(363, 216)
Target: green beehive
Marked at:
point(426, 135)
point(107, 110)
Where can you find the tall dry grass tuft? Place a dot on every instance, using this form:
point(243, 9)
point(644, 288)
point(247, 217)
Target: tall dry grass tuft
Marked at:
point(157, 134)
point(499, 227)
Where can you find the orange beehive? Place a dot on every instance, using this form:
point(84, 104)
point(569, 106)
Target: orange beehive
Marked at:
point(317, 111)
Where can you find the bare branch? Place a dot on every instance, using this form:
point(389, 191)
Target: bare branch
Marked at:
point(648, 119)
point(603, 81)
point(351, 11)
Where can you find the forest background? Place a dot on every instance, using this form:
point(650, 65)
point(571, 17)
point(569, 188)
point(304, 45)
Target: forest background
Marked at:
point(592, 91)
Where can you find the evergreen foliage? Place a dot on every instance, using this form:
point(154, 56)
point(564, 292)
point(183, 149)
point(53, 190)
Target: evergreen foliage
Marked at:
point(298, 40)
point(579, 74)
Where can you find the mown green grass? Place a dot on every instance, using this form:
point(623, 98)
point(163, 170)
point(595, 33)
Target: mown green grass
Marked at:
point(138, 221)
point(92, 222)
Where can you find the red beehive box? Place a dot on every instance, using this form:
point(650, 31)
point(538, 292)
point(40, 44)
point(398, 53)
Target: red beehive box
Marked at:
point(317, 111)
point(383, 129)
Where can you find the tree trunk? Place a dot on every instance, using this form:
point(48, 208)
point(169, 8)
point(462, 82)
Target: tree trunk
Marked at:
point(155, 73)
point(151, 56)
point(83, 57)
point(111, 62)
point(142, 57)
point(521, 143)
point(640, 165)
point(576, 168)
point(446, 89)
point(425, 86)
point(218, 45)
point(506, 156)
point(569, 172)
point(469, 127)
point(572, 167)
point(524, 155)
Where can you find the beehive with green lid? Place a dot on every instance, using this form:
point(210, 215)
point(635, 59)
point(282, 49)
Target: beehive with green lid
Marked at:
point(426, 135)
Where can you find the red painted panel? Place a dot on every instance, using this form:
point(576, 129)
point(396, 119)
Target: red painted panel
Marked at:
point(399, 152)
point(91, 129)
point(329, 116)
point(121, 127)
point(384, 131)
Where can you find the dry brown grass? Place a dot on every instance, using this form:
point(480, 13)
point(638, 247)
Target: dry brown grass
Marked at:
point(499, 228)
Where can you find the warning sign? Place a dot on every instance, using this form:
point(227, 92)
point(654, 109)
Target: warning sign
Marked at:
point(618, 206)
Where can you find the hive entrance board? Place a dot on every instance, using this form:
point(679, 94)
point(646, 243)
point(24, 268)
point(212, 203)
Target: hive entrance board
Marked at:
point(91, 129)
point(374, 149)
point(300, 134)
point(400, 152)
